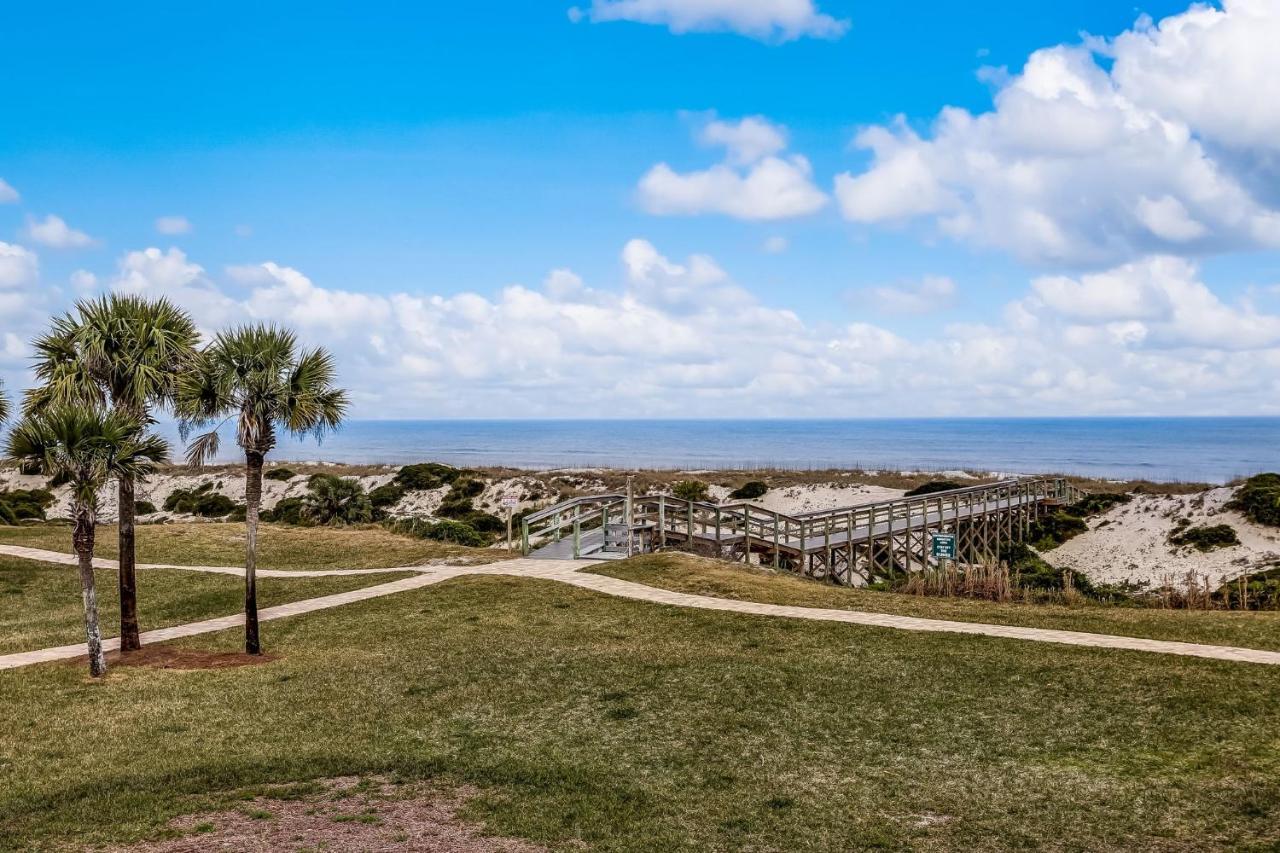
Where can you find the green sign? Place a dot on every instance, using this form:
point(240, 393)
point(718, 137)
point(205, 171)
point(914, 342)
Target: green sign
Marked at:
point(943, 546)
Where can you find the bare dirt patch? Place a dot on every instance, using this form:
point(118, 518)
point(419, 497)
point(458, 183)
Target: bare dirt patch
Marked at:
point(373, 815)
point(168, 657)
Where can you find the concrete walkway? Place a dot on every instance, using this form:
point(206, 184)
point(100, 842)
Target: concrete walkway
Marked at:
point(567, 572)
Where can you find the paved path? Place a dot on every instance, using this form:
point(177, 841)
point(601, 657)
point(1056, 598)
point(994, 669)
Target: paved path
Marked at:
point(567, 571)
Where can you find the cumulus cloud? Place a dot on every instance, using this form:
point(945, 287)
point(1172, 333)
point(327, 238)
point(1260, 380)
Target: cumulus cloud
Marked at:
point(18, 266)
point(931, 293)
point(681, 337)
point(765, 20)
point(1167, 150)
point(8, 195)
point(756, 181)
point(173, 225)
point(55, 233)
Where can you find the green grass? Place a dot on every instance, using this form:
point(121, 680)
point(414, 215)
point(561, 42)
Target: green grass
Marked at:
point(632, 726)
point(700, 576)
point(40, 603)
point(280, 546)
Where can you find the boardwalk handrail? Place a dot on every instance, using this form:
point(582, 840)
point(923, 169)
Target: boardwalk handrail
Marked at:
point(747, 526)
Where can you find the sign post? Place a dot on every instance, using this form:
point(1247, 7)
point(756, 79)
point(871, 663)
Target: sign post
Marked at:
point(510, 502)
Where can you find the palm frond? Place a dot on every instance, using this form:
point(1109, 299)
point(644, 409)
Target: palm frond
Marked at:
point(203, 448)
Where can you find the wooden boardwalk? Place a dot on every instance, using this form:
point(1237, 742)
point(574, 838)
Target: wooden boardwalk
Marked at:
point(848, 545)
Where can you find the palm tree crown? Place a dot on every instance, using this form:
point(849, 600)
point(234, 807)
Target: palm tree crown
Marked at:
point(85, 449)
point(122, 350)
point(257, 375)
point(4, 405)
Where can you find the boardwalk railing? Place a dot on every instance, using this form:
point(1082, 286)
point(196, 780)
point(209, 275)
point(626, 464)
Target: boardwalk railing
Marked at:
point(864, 539)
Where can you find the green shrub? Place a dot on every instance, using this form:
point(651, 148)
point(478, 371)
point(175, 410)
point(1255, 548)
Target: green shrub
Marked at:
point(1259, 499)
point(335, 500)
point(691, 490)
point(1030, 571)
point(143, 507)
point(239, 512)
point(749, 491)
point(386, 496)
point(286, 511)
point(456, 532)
point(1206, 538)
point(425, 476)
point(24, 505)
point(281, 474)
point(1052, 530)
point(1095, 504)
point(1257, 591)
point(934, 486)
point(201, 501)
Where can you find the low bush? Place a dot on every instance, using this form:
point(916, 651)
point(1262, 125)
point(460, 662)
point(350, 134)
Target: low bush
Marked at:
point(1052, 530)
point(1095, 504)
point(335, 500)
point(1258, 499)
point(749, 491)
point(286, 511)
point(455, 532)
point(143, 507)
point(201, 501)
point(933, 486)
point(1032, 572)
point(1206, 538)
point(425, 476)
point(24, 505)
point(1256, 591)
point(281, 474)
point(386, 496)
point(691, 490)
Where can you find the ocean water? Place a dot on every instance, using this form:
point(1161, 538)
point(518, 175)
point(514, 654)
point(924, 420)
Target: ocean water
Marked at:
point(1165, 449)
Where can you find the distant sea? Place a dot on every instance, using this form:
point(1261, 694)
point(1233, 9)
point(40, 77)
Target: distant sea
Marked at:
point(1166, 449)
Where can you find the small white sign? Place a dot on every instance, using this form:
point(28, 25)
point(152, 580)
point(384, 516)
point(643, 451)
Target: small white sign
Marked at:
point(510, 501)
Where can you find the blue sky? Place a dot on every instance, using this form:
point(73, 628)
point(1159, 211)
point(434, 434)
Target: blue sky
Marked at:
point(432, 153)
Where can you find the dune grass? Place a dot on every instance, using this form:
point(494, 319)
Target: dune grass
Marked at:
point(621, 725)
point(40, 602)
point(279, 546)
point(702, 576)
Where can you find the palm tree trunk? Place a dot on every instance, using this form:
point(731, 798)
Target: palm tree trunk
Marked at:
point(82, 539)
point(129, 640)
point(252, 503)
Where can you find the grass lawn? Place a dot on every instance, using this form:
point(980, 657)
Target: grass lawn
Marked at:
point(701, 576)
point(40, 603)
point(279, 546)
point(623, 725)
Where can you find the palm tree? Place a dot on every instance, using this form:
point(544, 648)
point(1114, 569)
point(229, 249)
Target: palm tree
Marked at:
point(85, 448)
point(125, 352)
point(4, 405)
point(256, 376)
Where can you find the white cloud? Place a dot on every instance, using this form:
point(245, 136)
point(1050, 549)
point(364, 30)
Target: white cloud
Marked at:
point(18, 266)
point(83, 281)
point(754, 183)
point(682, 338)
point(173, 225)
point(55, 233)
point(766, 20)
point(747, 141)
point(1212, 69)
point(1170, 151)
point(8, 195)
point(931, 293)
